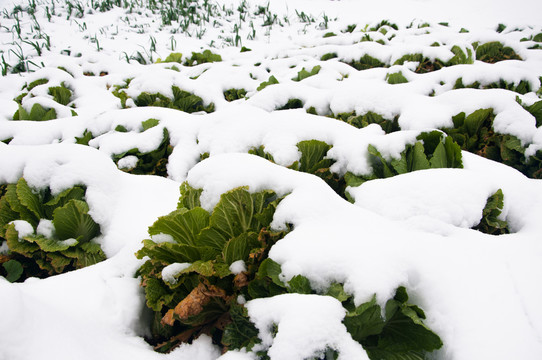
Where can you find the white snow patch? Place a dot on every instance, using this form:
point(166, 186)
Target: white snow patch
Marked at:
point(162, 238)
point(241, 300)
point(46, 228)
point(172, 270)
point(318, 318)
point(4, 248)
point(238, 267)
point(127, 162)
point(23, 228)
point(68, 242)
point(453, 196)
point(201, 348)
point(239, 355)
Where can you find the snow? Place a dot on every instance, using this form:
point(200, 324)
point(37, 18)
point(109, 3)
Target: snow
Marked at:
point(161, 238)
point(68, 242)
point(172, 270)
point(45, 228)
point(318, 318)
point(241, 300)
point(238, 267)
point(24, 228)
point(481, 293)
point(128, 162)
point(453, 197)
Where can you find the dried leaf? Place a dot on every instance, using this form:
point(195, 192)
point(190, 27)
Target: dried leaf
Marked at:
point(4, 258)
point(193, 304)
point(240, 280)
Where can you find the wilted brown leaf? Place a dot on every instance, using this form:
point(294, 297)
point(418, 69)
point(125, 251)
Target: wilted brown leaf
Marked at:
point(240, 280)
point(193, 304)
point(4, 258)
point(257, 254)
point(262, 236)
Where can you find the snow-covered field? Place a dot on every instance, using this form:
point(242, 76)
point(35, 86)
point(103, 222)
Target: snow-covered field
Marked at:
point(323, 61)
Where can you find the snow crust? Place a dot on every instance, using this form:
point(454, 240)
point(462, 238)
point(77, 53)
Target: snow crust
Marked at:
point(481, 293)
point(317, 318)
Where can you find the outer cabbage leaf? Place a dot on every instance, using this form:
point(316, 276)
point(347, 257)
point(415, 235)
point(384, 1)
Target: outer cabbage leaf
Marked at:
point(303, 74)
point(73, 221)
point(236, 210)
point(312, 156)
point(241, 332)
point(300, 285)
point(239, 247)
point(7, 215)
point(13, 269)
point(189, 197)
point(15, 204)
point(490, 222)
point(183, 225)
point(61, 199)
point(29, 199)
point(169, 253)
point(50, 245)
point(60, 94)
